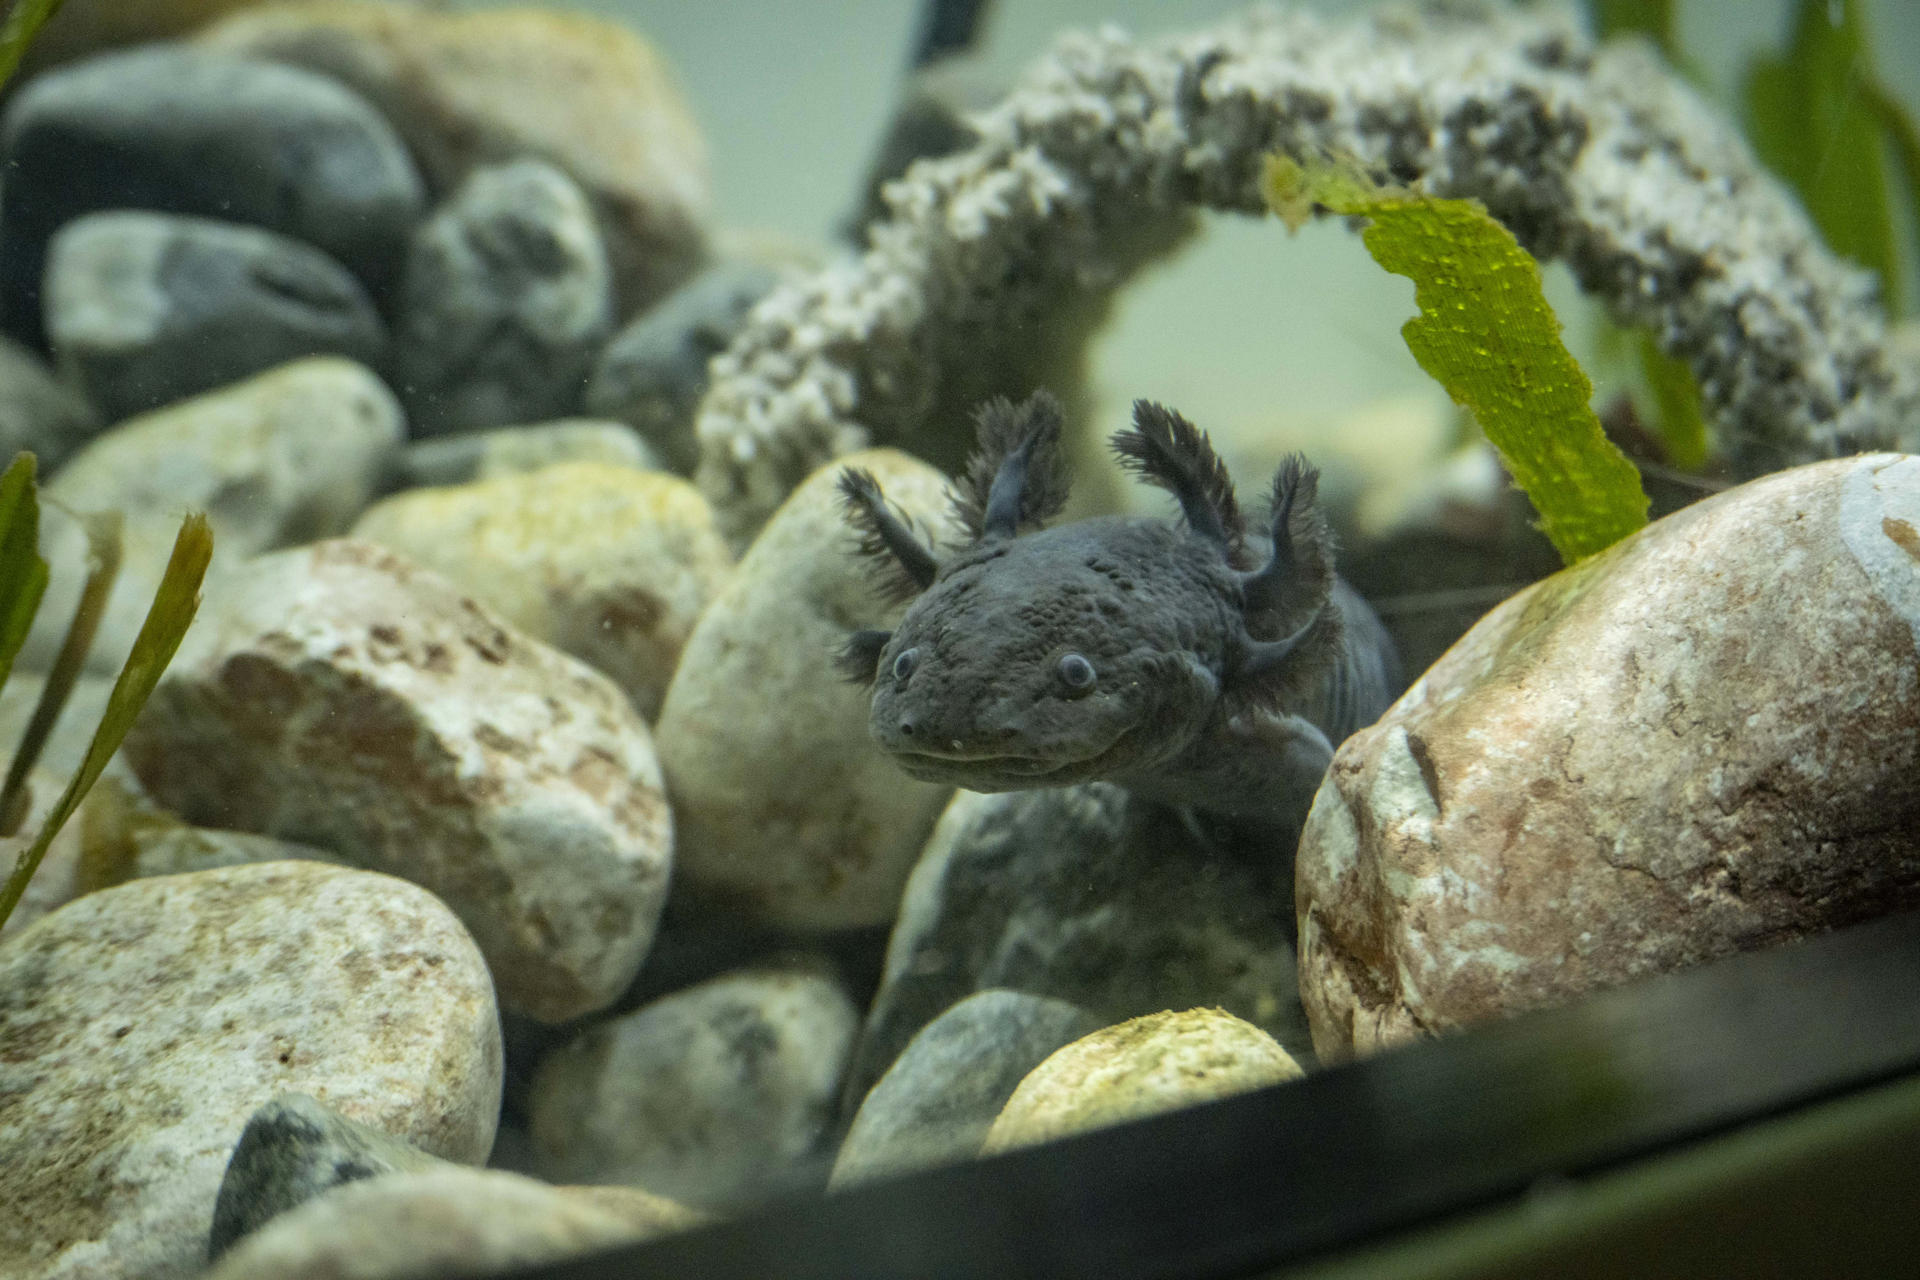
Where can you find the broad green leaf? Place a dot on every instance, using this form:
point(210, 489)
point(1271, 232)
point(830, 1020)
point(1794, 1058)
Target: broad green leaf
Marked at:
point(103, 566)
point(1901, 134)
point(23, 22)
point(23, 574)
point(1486, 333)
point(1809, 118)
point(167, 621)
point(1654, 19)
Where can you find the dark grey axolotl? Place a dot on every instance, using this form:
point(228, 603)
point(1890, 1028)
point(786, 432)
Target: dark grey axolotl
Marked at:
point(1192, 663)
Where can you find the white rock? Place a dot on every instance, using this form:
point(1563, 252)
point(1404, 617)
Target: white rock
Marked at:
point(608, 563)
point(343, 697)
point(144, 1024)
point(786, 809)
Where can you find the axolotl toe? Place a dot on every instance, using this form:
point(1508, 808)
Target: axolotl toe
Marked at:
point(1193, 663)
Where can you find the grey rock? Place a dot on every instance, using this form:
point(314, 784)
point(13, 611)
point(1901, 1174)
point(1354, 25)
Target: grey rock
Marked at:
point(182, 130)
point(654, 371)
point(143, 1024)
point(715, 1095)
point(340, 695)
point(292, 1150)
point(447, 1221)
point(936, 1103)
point(145, 308)
point(505, 301)
point(487, 455)
point(37, 414)
point(1080, 894)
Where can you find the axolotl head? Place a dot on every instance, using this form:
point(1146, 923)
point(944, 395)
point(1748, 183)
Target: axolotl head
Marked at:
point(1036, 657)
point(1062, 656)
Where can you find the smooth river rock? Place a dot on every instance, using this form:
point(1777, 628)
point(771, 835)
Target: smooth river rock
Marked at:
point(716, 1095)
point(505, 302)
point(608, 563)
point(37, 413)
point(473, 88)
point(1160, 1062)
point(786, 809)
point(340, 695)
point(448, 1221)
point(1701, 741)
point(144, 1024)
point(143, 309)
point(936, 1103)
point(1081, 894)
point(504, 451)
point(186, 130)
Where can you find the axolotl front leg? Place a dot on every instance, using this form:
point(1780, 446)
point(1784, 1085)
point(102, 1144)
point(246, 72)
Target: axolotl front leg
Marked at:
point(1258, 764)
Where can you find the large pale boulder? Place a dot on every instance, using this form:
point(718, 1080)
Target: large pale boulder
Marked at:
point(1704, 740)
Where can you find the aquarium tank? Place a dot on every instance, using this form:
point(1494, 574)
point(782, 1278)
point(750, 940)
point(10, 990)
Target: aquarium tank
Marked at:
point(959, 639)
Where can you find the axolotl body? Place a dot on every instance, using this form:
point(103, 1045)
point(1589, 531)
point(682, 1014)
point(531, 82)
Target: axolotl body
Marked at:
point(1194, 663)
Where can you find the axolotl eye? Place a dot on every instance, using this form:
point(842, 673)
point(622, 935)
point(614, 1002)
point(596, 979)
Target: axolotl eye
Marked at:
point(904, 662)
point(1077, 674)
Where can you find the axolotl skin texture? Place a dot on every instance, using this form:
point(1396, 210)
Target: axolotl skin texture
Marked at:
point(1193, 663)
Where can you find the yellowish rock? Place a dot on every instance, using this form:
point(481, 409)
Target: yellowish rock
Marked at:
point(1161, 1062)
point(783, 806)
point(465, 89)
point(605, 562)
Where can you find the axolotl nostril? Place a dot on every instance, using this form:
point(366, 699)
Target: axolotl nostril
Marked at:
point(1195, 663)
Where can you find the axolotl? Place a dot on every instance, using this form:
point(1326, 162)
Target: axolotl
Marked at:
point(1193, 662)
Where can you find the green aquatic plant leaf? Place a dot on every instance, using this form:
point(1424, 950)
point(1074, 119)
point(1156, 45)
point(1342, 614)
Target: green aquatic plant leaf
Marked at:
point(1680, 416)
point(1810, 119)
point(1486, 333)
point(168, 618)
point(23, 574)
point(23, 22)
point(103, 566)
point(1658, 20)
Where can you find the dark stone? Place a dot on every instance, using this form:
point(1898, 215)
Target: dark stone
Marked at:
point(936, 1103)
point(143, 309)
point(654, 371)
point(506, 301)
point(292, 1150)
point(1082, 894)
point(184, 131)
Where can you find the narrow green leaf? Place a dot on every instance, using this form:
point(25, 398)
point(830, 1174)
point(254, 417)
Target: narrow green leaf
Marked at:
point(167, 620)
point(1901, 134)
point(103, 566)
point(1680, 417)
point(1486, 333)
point(1810, 120)
point(1657, 20)
point(23, 22)
point(23, 574)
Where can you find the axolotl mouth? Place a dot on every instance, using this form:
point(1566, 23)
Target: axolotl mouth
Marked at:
point(987, 770)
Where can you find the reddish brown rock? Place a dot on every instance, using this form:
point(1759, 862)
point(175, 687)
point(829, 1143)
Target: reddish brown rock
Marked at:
point(1702, 741)
point(342, 696)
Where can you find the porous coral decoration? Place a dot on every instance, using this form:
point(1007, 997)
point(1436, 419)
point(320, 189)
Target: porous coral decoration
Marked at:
point(997, 263)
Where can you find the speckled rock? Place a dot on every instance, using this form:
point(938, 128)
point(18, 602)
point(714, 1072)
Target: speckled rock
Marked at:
point(292, 1150)
point(1078, 894)
point(446, 1222)
point(144, 1024)
point(611, 564)
point(293, 454)
point(189, 131)
point(715, 1095)
point(785, 807)
point(654, 371)
point(467, 89)
point(936, 1103)
point(504, 303)
point(1703, 740)
point(145, 308)
point(505, 451)
point(344, 696)
point(37, 413)
point(1160, 1062)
